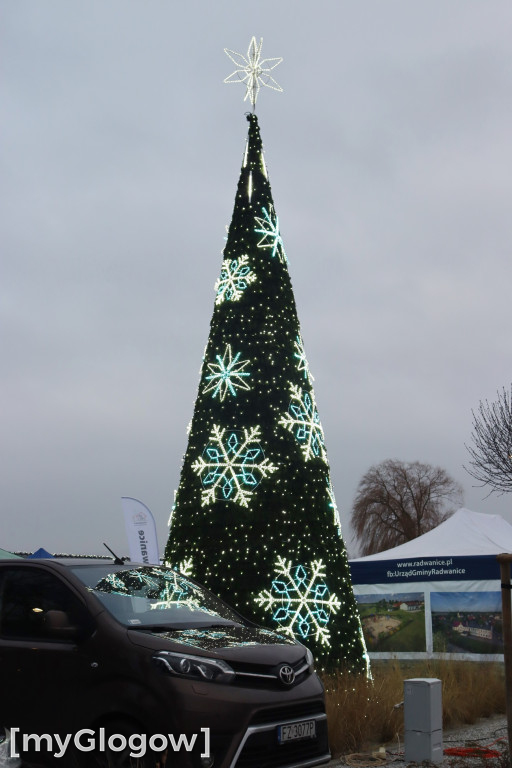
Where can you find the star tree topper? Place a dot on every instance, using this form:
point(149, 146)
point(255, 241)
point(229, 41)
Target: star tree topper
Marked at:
point(252, 70)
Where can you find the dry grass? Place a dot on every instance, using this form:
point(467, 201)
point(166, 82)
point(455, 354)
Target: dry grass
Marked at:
point(362, 714)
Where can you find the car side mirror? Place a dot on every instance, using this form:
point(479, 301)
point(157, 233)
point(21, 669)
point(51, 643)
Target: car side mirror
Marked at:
point(59, 626)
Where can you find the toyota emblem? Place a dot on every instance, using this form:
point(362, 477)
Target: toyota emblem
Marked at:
point(286, 674)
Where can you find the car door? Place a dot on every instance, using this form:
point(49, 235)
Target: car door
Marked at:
point(41, 668)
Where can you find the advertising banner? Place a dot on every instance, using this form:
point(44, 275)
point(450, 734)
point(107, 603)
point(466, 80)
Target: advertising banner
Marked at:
point(432, 619)
point(140, 532)
point(465, 568)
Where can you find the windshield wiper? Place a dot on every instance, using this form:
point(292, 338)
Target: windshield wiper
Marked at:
point(219, 626)
point(181, 627)
point(156, 627)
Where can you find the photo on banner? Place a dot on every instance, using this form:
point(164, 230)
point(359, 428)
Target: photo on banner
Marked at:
point(393, 622)
point(466, 622)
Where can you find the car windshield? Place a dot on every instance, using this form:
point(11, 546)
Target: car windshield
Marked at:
point(155, 596)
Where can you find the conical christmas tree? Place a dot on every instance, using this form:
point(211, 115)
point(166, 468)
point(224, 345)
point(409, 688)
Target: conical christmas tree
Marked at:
point(255, 517)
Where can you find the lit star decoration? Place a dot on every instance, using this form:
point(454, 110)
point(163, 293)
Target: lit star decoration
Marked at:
point(300, 355)
point(227, 375)
point(252, 70)
point(235, 276)
point(232, 466)
point(269, 228)
point(303, 421)
point(300, 602)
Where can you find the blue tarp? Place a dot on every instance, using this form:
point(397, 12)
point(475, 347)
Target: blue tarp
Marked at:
point(40, 553)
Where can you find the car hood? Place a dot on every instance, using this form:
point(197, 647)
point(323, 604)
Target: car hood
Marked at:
point(231, 640)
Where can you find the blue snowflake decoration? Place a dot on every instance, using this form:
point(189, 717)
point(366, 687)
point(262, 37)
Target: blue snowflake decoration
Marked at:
point(303, 421)
point(269, 228)
point(235, 276)
point(300, 602)
point(232, 465)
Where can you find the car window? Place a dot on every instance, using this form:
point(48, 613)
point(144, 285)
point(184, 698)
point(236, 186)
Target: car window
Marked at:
point(140, 596)
point(27, 594)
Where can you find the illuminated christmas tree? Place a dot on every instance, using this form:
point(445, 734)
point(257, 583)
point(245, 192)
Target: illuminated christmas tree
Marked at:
point(255, 517)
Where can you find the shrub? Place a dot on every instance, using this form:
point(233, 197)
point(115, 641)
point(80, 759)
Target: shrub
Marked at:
point(362, 714)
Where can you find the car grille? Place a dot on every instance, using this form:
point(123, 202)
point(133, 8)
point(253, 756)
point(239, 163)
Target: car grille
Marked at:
point(261, 676)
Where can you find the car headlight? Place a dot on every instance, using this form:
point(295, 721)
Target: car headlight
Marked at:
point(310, 660)
point(195, 667)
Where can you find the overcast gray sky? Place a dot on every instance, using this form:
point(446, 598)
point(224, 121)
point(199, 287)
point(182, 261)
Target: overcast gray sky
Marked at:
point(389, 155)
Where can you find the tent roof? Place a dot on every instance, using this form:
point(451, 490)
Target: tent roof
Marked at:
point(40, 553)
point(4, 555)
point(464, 533)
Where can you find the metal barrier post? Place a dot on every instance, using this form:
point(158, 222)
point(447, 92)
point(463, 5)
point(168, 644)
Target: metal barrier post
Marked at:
point(504, 560)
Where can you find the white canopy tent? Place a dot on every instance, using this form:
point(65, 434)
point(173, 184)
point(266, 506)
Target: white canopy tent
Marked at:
point(438, 594)
point(464, 533)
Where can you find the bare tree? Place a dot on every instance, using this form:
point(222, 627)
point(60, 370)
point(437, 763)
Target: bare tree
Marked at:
point(397, 501)
point(491, 453)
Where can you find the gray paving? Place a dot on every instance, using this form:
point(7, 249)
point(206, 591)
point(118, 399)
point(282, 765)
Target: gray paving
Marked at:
point(486, 732)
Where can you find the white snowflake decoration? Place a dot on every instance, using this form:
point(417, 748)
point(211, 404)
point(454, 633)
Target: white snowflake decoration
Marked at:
point(269, 228)
point(252, 70)
point(197, 636)
point(175, 591)
point(227, 374)
point(333, 506)
point(146, 579)
point(178, 593)
point(300, 602)
point(232, 465)
point(303, 421)
point(113, 581)
point(302, 364)
point(185, 567)
point(235, 276)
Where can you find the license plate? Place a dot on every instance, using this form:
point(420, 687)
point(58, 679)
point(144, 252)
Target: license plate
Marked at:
point(305, 729)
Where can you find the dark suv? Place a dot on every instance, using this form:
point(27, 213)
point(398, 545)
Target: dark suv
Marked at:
point(101, 652)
